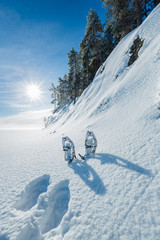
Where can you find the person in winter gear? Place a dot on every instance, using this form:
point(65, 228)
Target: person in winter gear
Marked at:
point(68, 148)
point(90, 143)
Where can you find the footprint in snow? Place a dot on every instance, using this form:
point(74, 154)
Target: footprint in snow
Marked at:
point(32, 191)
point(51, 207)
point(56, 206)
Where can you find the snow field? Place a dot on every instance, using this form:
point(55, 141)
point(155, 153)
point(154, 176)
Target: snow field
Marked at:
point(113, 196)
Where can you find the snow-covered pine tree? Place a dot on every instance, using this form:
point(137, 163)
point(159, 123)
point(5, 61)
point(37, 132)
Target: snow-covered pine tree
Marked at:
point(60, 94)
point(93, 36)
point(84, 52)
point(91, 48)
point(109, 41)
point(54, 95)
point(66, 89)
point(142, 9)
point(120, 16)
point(125, 15)
point(74, 75)
point(63, 89)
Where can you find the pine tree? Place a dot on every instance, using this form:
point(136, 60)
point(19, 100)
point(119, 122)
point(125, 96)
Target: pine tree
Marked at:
point(54, 95)
point(84, 53)
point(139, 6)
point(109, 41)
point(74, 75)
point(156, 2)
point(94, 31)
point(63, 91)
point(91, 48)
point(125, 15)
point(60, 94)
point(66, 87)
point(120, 17)
point(143, 9)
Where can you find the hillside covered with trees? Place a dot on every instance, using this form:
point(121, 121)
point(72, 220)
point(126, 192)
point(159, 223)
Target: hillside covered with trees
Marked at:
point(97, 44)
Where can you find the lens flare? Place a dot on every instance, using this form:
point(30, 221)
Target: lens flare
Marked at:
point(33, 92)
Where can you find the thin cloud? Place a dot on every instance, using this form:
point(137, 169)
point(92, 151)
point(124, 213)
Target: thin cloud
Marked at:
point(14, 104)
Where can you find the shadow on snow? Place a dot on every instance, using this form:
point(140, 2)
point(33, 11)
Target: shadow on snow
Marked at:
point(92, 179)
point(89, 176)
point(3, 237)
point(106, 158)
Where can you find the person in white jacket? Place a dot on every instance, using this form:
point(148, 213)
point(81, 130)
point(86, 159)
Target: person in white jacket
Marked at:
point(68, 148)
point(90, 144)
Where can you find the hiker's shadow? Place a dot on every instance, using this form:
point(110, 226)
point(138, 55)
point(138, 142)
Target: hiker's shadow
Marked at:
point(106, 158)
point(89, 176)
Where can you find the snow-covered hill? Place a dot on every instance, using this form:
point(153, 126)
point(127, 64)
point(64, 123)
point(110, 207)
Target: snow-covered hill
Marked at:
point(116, 194)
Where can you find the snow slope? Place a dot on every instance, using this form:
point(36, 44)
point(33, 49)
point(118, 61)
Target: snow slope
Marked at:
point(116, 194)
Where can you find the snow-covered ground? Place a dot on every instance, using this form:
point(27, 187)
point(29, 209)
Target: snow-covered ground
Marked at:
point(116, 194)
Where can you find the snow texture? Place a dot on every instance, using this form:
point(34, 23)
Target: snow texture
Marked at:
point(114, 195)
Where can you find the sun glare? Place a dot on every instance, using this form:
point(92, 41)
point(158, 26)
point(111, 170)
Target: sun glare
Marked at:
point(33, 92)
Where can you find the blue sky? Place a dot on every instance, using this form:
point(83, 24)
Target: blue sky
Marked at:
point(36, 36)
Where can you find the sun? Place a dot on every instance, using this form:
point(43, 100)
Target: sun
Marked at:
point(33, 91)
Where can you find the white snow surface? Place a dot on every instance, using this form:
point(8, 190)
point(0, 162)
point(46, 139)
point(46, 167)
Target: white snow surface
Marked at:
point(28, 120)
point(112, 196)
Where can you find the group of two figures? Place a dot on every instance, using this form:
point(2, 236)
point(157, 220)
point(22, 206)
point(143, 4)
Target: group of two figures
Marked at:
point(69, 148)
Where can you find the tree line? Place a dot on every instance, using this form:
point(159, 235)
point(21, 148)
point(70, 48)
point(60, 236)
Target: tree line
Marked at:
point(98, 42)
